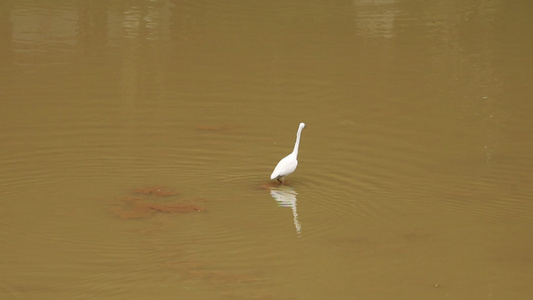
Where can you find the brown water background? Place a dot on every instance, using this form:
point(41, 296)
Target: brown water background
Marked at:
point(416, 169)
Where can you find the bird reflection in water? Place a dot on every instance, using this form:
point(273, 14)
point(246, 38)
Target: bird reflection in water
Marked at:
point(286, 197)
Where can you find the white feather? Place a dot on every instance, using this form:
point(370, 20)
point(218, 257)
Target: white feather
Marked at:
point(289, 163)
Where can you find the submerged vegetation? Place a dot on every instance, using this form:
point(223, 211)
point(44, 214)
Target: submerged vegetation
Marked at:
point(146, 202)
point(149, 202)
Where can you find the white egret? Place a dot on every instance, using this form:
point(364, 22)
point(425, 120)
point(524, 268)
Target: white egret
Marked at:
point(289, 163)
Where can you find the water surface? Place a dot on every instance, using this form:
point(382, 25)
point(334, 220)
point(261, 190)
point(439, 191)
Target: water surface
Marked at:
point(138, 139)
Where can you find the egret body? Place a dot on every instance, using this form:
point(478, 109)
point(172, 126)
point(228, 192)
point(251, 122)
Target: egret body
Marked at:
point(289, 163)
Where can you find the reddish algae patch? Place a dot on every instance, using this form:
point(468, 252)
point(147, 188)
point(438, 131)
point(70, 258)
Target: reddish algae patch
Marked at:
point(146, 202)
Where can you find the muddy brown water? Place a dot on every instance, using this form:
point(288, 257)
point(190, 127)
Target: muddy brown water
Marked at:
point(138, 138)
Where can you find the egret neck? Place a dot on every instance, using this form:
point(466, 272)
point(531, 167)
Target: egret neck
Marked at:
point(297, 144)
